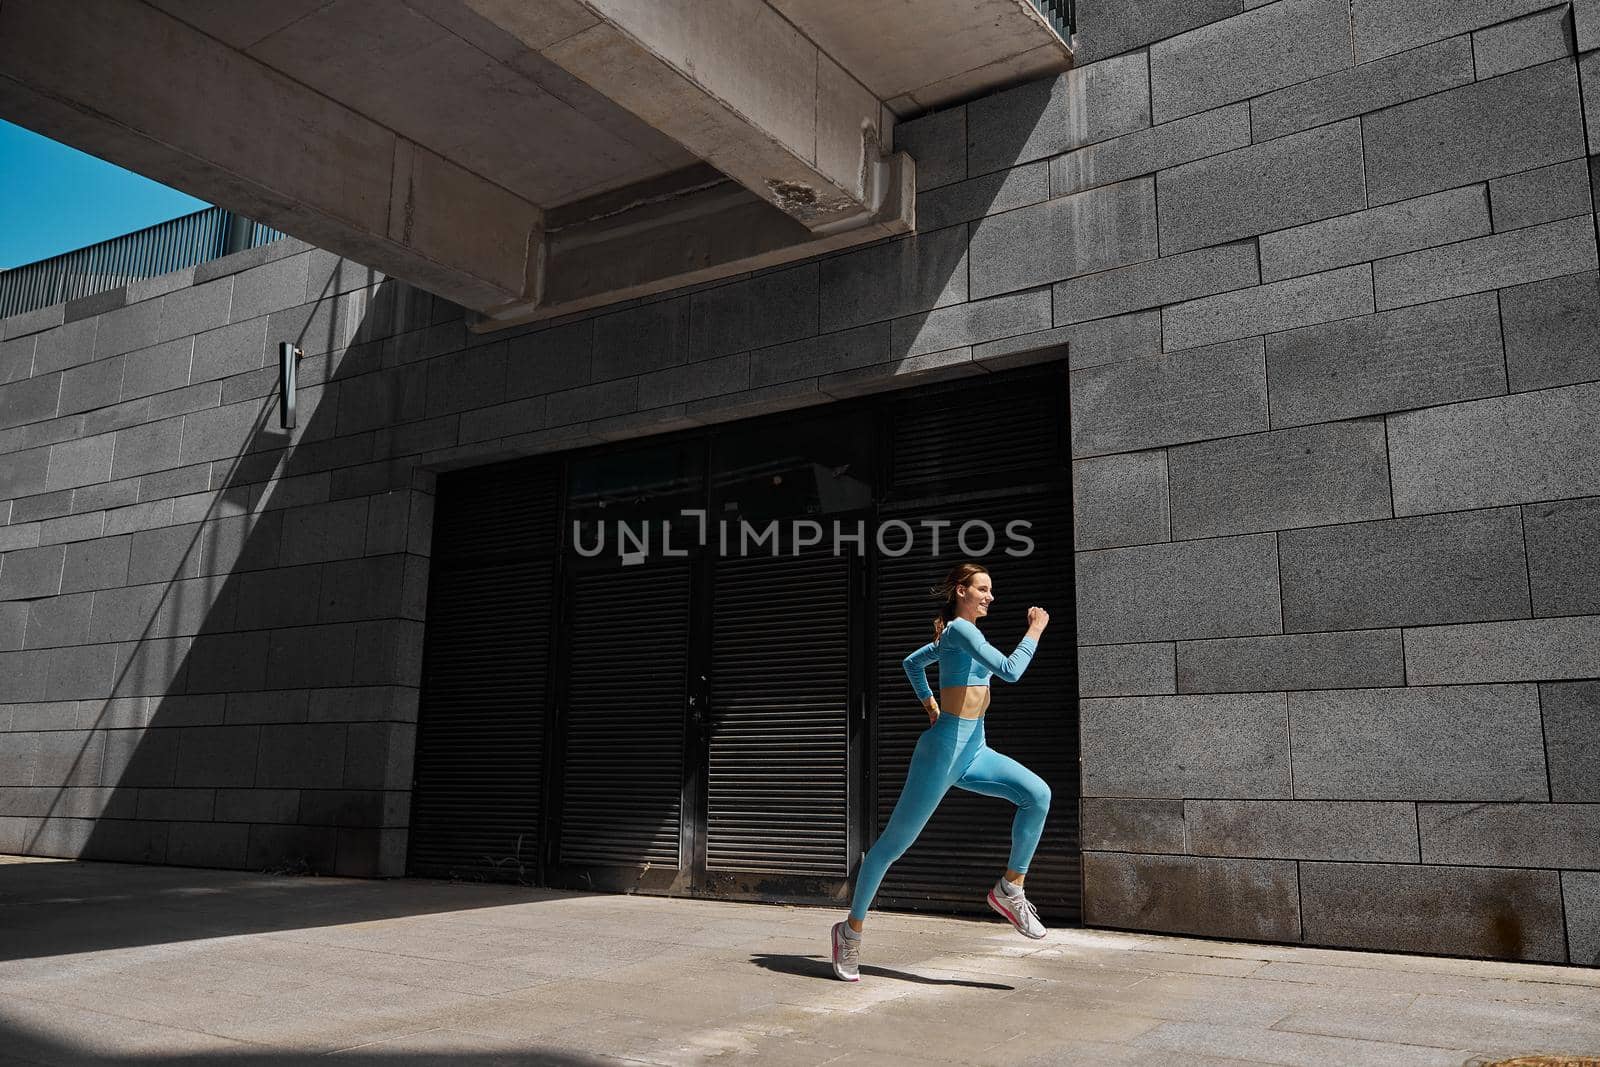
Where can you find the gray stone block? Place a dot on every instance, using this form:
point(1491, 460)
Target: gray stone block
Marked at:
point(863, 346)
point(277, 706)
point(1125, 670)
point(1186, 746)
point(302, 756)
point(1496, 914)
point(1167, 280)
point(1084, 233)
point(166, 804)
point(317, 655)
point(1108, 27)
point(1572, 739)
point(157, 369)
point(763, 310)
point(84, 672)
point(31, 572)
point(1120, 500)
point(71, 528)
point(282, 596)
point(23, 676)
point(1511, 835)
point(16, 359)
point(1043, 118)
point(1505, 450)
point(1580, 891)
point(241, 543)
point(1544, 195)
point(1189, 396)
point(319, 532)
point(1285, 182)
point(900, 277)
point(124, 330)
point(164, 555)
point(214, 756)
point(257, 805)
point(1523, 42)
point(694, 381)
point(1222, 587)
point(272, 287)
point(898, 374)
point(1408, 358)
point(367, 588)
point(58, 621)
point(1147, 826)
point(99, 384)
point(1094, 343)
point(186, 312)
point(1586, 19)
point(1363, 89)
point(1303, 829)
point(379, 755)
point(314, 847)
point(13, 627)
point(1405, 572)
point(1306, 476)
point(965, 201)
point(938, 142)
point(1147, 151)
point(227, 431)
point(1526, 649)
point(1552, 332)
point(472, 379)
point(23, 473)
point(208, 844)
point(1251, 54)
point(1513, 123)
point(375, 401)
point(69, 758)
point(1423, 222)
point(1336, 294)
point(231, 350)
point(1504, 259)
point(1445, 742)
point(227, 662)
point(629, 342)
point(1385, 27)
point(30, 400)
point(140, 758)
point(597, 401)
point(35, 510)
point(1352, 660)
point(964, 324)
point(1563, 542)
point(143, 449)
point(1253, 899)
point(364, 704)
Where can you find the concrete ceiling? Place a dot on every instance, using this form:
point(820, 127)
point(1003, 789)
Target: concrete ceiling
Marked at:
point(524, 158)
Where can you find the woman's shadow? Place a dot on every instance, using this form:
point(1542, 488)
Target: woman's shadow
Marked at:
point(817, 967)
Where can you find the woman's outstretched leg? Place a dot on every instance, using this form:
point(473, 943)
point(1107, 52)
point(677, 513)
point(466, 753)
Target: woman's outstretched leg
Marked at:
point(996, 775)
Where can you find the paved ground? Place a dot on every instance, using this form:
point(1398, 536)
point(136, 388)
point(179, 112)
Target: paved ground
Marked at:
point(115, 963)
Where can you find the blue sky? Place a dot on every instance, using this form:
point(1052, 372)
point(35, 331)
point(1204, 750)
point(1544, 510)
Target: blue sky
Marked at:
point(54, 198)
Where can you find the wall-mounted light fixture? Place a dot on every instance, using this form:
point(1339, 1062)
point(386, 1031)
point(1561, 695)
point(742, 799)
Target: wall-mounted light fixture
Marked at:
point(288, 356)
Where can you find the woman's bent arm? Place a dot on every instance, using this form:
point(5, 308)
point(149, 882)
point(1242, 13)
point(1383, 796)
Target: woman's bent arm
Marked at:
point(916, 668)
point(1010, 667)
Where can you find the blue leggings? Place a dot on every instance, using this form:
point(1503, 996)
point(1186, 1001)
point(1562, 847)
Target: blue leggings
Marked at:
point(953, 752)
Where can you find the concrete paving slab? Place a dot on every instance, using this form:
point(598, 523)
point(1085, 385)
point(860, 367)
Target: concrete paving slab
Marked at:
point(128, 964)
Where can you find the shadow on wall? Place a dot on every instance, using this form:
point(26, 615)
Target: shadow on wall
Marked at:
point(264, 656)
point(266, 651)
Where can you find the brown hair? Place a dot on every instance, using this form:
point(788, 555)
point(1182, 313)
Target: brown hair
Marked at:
point(945, 591)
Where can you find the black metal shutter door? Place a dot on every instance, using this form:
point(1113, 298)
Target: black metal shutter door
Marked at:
point(965, 845)
point(780, 705)
point(476, 796)
point(623, 766)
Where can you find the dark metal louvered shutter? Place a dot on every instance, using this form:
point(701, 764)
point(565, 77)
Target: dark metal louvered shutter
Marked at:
point(621, 799)
point(780, 703)
point(476, 795)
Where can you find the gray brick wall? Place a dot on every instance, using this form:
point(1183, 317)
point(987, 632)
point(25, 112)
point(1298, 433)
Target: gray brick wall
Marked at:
point(1325, 274)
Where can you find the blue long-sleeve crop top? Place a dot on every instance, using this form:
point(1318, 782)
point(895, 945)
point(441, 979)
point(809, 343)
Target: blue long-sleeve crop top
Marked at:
point(965, 658)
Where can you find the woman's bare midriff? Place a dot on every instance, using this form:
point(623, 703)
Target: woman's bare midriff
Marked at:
point(967, 701)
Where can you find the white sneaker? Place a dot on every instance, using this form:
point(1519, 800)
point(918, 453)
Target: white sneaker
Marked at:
point(1017, 910)
point(846, 955)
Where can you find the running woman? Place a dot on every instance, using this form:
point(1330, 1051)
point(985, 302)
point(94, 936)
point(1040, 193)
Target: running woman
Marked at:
point(952, 751)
